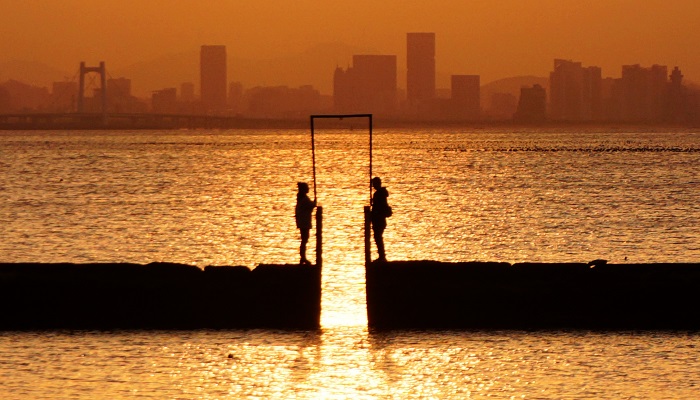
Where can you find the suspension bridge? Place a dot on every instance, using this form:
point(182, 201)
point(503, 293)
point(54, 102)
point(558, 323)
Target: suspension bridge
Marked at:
point(101, 111)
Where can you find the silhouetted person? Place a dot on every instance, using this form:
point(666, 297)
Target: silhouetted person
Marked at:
point(380, 212)
point(302, 213)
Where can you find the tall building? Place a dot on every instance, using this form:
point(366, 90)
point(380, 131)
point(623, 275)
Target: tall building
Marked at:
point(369, 86)
point(466, 96)
point(643, 93)
point(575, 92)
point(676, 106)
point(213, 78)
point(532, 106)
point(658, 91)
point(420, 63)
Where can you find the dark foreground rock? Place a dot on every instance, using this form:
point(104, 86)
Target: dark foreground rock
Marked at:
point(158, 296)
point(482, 295)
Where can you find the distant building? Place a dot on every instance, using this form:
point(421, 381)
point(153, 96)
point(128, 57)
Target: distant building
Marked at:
point(164, 101)
point(420, 74)
point(532, 106)
point(119, 98)
point(235, 97)
point(213, 78)
point(575, 92)
point(369, 86)
point(643, 93)
point(283, 102)
point(677, 106)
point(119, 87)
point(16, 96)
point(466, 96)
point(64, 96)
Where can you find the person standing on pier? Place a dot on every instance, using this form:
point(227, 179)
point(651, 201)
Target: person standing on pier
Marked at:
point(302, 213)
point(380, 211)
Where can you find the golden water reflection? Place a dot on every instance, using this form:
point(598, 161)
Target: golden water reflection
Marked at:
point(341, 363)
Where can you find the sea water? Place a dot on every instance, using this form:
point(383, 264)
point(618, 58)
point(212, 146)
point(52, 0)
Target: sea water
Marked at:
point(208, 197)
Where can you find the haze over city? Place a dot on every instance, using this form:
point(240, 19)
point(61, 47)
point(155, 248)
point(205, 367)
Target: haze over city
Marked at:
point(280, 199)
point(492, 39)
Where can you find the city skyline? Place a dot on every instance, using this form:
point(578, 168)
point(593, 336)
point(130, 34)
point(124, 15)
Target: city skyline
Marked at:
point(577, 94)
point(493, 40)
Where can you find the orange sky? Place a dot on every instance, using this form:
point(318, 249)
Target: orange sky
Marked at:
point(493, 38)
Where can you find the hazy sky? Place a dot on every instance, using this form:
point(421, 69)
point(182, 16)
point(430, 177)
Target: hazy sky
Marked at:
point(493, 38)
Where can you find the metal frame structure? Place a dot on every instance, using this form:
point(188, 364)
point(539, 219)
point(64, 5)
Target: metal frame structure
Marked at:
point(341, 116)
point(367, 227)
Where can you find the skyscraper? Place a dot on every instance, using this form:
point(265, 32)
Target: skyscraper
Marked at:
point(212, 68)
point(420, 62)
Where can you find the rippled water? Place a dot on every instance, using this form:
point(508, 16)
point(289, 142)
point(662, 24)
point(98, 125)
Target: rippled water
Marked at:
point(227, 198)
point(341, 363)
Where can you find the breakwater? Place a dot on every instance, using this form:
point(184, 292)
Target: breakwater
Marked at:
point(158, 296)
point(491, 295)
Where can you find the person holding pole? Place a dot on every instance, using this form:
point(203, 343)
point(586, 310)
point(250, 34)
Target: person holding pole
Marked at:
point(380, 211)
point(302, 213)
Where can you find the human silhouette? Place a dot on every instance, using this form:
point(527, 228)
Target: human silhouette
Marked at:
point(302, 213)
point(380, 212)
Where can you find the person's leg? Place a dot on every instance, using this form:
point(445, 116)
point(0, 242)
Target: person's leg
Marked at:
point(379, 240)
point(302, 247)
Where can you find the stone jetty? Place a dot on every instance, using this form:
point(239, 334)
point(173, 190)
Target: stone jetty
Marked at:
point(493, 295)
point(158, 296)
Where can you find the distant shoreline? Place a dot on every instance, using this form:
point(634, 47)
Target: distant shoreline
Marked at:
point(39, 122)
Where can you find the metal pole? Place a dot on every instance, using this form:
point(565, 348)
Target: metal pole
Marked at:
point(313, 154)
point(368, 243)
point(370, 159)
point(319, 237)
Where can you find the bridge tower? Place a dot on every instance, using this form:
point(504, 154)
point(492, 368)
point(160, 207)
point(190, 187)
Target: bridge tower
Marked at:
point(103, 86)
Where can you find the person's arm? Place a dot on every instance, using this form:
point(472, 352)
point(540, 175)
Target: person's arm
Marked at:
point(310, 204)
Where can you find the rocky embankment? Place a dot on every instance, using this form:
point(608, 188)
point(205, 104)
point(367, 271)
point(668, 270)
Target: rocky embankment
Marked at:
point(489, 295)
point(158, 296)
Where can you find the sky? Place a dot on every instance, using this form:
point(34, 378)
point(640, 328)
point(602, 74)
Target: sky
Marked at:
point(491, 38)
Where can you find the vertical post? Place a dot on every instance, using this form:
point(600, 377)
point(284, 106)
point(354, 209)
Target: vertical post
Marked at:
point(81, 88)
point(368, 243)
point(319, 237)
point(370, 159)
point(313, 155)
point(368, 210)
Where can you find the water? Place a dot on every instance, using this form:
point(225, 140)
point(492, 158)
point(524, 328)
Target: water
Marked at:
point(227, 198)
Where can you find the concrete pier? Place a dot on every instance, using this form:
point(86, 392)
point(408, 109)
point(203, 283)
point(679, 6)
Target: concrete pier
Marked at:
point(158, 296)
point(491, 295)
